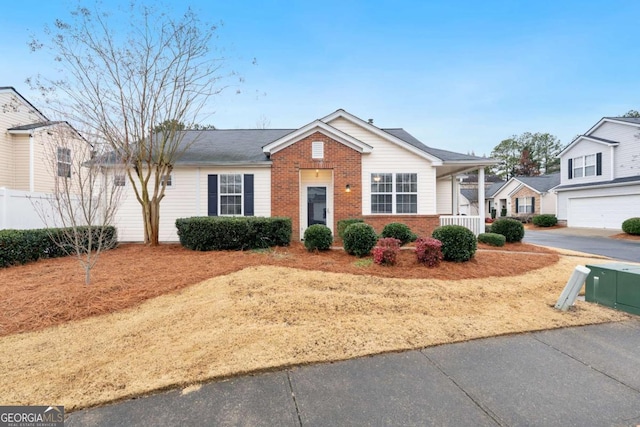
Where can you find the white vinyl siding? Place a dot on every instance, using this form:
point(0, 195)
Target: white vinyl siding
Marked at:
point(444, 195)
point(582, 149)
point(381, 160)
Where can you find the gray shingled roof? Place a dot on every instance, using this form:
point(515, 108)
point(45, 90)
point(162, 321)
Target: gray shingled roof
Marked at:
point(229, 146)
point(635, 120)
point(628, 179)
point(542, 183)
point(471, 194)
point(606, 141)
point(440, 154)
point(34, 125)
point(222, 146)
point(493, 189)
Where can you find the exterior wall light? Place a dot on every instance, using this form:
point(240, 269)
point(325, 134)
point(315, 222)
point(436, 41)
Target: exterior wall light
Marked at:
point(347, 189)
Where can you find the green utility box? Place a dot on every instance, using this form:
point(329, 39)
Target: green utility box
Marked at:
point(614, 285)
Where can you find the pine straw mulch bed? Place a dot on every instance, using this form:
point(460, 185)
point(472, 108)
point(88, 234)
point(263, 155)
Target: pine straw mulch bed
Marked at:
point(51, 292)
point(270, 315)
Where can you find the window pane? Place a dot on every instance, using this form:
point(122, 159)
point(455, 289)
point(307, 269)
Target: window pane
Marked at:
point(577, 172)
point(407, 203)
point(230, 205)
point(381, 183)
point(381, 203)
point(406, 183)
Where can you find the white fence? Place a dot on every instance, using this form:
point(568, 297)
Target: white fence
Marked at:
point(473, 223)
point(18, 209)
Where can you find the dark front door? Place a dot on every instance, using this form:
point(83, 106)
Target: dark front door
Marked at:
point(316, 205)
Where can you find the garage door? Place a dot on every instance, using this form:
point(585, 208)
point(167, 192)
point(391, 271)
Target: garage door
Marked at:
point(602, 212)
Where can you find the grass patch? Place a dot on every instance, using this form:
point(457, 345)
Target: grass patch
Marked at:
point(363, 263)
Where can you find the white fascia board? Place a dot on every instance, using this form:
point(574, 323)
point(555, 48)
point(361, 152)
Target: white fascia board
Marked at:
point(379, 132)
point(311, 128)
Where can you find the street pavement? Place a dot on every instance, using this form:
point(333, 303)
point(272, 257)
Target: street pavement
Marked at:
point(592, 241)
point(582, 376)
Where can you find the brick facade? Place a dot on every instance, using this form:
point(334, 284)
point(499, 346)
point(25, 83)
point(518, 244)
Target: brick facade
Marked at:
point(525, 192)
point(345, 163)
point(422, 225)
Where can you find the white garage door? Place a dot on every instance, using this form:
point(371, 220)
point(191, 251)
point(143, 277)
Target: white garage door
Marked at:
point(602, 212)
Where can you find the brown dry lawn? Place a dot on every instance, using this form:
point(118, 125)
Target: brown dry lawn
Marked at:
point(156, 318)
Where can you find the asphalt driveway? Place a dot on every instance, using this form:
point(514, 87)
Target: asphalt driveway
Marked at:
point(586, 240)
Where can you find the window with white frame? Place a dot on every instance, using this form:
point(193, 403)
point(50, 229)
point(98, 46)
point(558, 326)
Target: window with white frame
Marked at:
point(406, 193)
point(231, 194)
point(381, 193)
point(394, 193)
point(584, 166)
point(525, 205)
point(64, 162)
point(119, 180)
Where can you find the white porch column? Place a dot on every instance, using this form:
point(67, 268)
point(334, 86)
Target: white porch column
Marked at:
point(455, 197)
point(481, 207)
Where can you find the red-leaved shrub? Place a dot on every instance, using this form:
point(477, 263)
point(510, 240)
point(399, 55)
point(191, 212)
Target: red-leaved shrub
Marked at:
point(386, 252)
point(429, 251)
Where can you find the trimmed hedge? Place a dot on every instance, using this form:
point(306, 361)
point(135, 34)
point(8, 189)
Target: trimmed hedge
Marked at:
point(23, 246)
point(359, 239)
point(492, 239)
point(211, 233)
point(317, 237)
point(631, 226)
point(544, 220)
point(344, 223)
point(459, 244)
point(511, 229)
point(400, 231)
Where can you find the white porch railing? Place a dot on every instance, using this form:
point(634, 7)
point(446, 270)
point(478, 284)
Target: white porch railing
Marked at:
point(472, 222)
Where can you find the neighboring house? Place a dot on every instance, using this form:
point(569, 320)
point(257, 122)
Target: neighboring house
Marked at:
point(334, 168)
point(525, 196)
point(32, 157)
point(600, 175)
point(468, 203)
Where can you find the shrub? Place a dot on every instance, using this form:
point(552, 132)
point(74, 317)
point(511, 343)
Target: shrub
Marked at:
point(510, 228)
point(429, 251)
point(492, 239)
point(545, 220)
point(399, 231)
point(487, 228)
point(317, 237)
point(359, 239)
point(344, 223)
point(631, 226)
point(459, 244)
point(387, 250)
point(23, 246)
point(210, 233)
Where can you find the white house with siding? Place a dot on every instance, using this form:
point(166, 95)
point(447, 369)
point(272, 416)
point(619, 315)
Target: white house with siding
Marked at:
point(600, 175)
point(333, 168)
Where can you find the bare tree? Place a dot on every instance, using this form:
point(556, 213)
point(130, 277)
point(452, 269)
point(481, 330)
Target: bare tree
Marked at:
point(80, 211)
point(121, 86)
point(263, 122)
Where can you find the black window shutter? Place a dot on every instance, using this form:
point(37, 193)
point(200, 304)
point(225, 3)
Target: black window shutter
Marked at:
point(570, 168)
point(248, 195)
point(598, 163)
point(517, 205)
point(533, 205)
point(212, 191)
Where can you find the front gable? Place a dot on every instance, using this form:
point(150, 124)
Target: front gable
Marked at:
point(315, 127)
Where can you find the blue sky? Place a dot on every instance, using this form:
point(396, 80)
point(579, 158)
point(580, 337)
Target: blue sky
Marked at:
point(458, 75)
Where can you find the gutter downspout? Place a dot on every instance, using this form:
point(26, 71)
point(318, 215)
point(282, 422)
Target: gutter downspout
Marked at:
point(32, 177)
point(481, 210)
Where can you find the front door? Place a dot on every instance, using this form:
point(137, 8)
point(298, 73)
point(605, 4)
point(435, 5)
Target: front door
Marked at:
point(316, 205)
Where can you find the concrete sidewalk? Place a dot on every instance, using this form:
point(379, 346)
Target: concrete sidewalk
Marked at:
point(583, 376)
